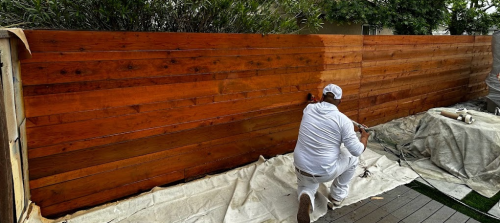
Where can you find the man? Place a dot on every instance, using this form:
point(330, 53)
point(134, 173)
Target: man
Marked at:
point(318, 157)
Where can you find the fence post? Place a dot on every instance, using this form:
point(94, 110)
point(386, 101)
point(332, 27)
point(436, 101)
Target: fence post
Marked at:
point(7, 192)
point(13, 177)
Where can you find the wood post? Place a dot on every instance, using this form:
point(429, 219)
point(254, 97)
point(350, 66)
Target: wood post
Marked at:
point(6, 193)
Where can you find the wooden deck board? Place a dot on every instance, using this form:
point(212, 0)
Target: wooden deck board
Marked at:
point(424, 212)
point(441, 215)
point(472, 221)
point(457, 218)
point(411, 207)
point(341, 212)
point(374, 205)
point(385, 210)
point(401, 204)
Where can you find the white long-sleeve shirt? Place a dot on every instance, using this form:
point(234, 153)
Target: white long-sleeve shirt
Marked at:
point(322, 130)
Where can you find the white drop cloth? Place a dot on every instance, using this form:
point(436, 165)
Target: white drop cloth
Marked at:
point(264, 191)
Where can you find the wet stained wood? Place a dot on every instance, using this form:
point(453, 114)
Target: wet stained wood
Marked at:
point(98, 155)
point(90, 100)
point(162, 105)
point(56, 193)
point(56, 41)
point(71, 175)
point(111, 114)
point(115, 193)
point(38, 57)
point(50, 135)
point(59, 88)
point(61, 72)
point(230, 162)
point(117, 138)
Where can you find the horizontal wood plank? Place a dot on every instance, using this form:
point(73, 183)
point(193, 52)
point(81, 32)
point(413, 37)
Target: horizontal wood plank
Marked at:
point(87, 171)
point(59, 88)
point(429, 72)
point(483, 39)
point(231, 162)
point(63, 72)
point(415, 66)
point(409, 40)
point(480, 49)
point(90, 100)
point(117, 138)
point(161, 105)
point(414, 80)
point(412, 47)
point(54, 134)
point(398, 54)
point(56, 41)
point(40, 167)
point(102, 197)
point(57, 193)
point(38, 57)
point(381, 63)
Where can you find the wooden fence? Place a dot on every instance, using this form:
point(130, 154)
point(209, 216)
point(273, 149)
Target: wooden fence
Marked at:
point(110, 114)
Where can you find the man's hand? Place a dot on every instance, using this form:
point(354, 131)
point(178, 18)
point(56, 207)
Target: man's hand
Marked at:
point(364, 133)
point(364, 137)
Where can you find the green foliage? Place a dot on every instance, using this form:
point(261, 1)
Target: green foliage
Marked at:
point(222, 16)
point(471, 16)
point(356, 11)
point(405, 17)
point(414, 17)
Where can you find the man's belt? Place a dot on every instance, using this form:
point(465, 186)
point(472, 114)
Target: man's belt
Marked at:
point(305, 173)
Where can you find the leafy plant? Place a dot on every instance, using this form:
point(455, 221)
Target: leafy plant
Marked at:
point(471, 16)
point(225, 16)
point(414, 17)
point(405, 17)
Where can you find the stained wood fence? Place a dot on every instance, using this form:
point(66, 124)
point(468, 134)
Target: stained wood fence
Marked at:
point(111, 114)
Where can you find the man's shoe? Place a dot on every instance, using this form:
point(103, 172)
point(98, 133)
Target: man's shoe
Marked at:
point(333, 203)
point(304, 207)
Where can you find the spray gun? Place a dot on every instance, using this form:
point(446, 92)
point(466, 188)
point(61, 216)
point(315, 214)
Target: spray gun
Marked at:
point(311, 98)
point(361, 126)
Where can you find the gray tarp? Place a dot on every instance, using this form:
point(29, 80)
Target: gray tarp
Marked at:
point(470, 152)
point(481, 175)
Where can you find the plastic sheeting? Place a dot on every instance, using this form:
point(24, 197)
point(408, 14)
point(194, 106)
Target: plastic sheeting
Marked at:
point(493, 79)
point(264, 191)
point(397, 137)
point(470, 152)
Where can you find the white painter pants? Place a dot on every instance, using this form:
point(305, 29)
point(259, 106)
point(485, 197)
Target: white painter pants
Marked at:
point(344, 171)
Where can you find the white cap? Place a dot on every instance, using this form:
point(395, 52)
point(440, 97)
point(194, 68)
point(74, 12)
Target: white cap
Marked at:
point(334, 89)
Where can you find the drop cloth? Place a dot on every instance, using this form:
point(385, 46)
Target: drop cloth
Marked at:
point(264, 191)
point(469, 152)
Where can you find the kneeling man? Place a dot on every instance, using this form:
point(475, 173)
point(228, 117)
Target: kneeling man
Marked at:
point(317, 155)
